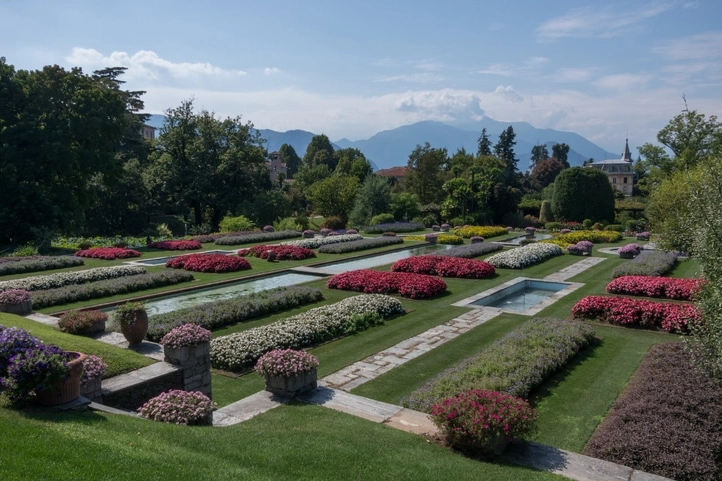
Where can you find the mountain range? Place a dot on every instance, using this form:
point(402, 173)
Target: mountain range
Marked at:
point(391, 148)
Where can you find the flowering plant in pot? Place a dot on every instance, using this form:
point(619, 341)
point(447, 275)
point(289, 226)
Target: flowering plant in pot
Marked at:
point(94, 368)
point(16, 301)
point(481, 422)
point(82, 322)
point(288, 371)
point(186, 335)
point(133, 321)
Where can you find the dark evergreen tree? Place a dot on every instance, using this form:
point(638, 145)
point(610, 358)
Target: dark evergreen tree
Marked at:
point(560, 152)
point(291, 159)
point(583, 193)
point(483, 144)
point(504, 149)
point(538, 153)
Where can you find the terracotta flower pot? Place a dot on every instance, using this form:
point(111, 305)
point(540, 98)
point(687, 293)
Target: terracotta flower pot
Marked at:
point(135, 331)
point(66, 390)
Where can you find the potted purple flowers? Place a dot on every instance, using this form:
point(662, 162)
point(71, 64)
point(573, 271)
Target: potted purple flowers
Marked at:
point(288, 371)
point(16, 301)
point(629, 251)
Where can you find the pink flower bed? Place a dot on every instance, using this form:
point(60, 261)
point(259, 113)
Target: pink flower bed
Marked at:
point(649, 286)
point(630, 312)
point(283, 252)
point(209, 263)
point(107, 253)
point(414, 286)
point(176, 245)
point(445, 266)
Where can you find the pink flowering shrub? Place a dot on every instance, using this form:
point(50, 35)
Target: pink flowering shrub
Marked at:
point(631, 248)
point(285, 363)
point(473, 421)
point(630, 312)
point(81, 322)
point(282, 252)
point(414, 286)
point(176, 245)
point(663, 287)
point(209, 263)
point(179, 407)
point(445, 267)
point(186, 335)
point(108, 253)
point(14, 296)
point(93, 367)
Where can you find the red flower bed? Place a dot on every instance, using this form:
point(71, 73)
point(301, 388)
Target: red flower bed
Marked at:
point(638, 313)
point(414, 286)
point(283, 253)
point(176, 245)
point(664, 287)
point(445, 266)
point(107, 253)
point(209, 263)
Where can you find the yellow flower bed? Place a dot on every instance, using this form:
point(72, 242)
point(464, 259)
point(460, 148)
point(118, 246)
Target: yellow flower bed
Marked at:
point(480, 231)
point(449, 239)
point(596, 236)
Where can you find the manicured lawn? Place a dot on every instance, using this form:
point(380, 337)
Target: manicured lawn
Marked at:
point(288, 443)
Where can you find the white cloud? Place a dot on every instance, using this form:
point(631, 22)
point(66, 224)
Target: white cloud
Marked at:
point(571, 75)
point(508, 93)
point(625, 82)
point(145, 64)
point(271, 71)
point(597, 22)
point(701, 46)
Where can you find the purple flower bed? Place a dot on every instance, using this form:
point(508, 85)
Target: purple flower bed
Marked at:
point(515, 364)
point(213, 315)
point(667, 420)
point(647, 263)
point(359, 245)
point(37, 264)
point(394, 227)
point(109, 287)
point(254, 237)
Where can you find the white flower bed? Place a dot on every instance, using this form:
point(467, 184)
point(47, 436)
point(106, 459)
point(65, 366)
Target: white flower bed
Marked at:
point(60, 279)
point(316, 242)
point(524, 256)
point(239, 351)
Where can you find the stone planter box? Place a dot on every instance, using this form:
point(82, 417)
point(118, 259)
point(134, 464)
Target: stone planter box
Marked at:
point(186, 354)
point(626, 255)
point(290, 386)
point(92, 389)
point(21, 309)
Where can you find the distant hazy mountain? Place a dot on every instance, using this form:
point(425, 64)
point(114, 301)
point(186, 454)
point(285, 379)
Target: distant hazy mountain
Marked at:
point(391, 148)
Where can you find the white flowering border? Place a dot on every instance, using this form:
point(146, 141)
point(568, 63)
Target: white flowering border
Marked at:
point(317, 242)
point(60, 279)
point(240, 351)
point(524, 256)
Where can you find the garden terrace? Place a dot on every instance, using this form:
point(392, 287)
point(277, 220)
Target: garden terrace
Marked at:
point(581, 393)
point(22, 265)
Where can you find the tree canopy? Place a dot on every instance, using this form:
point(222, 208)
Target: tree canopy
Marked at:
point(583, 193)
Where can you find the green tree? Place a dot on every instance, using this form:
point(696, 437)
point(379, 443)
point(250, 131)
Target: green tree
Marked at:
point(374, 197)
point(483, 144)
point(538, 153)
point(290, 158)
point(59, 130)
point(691, 137)
point(352, 162)
point(583, 193)
point(210, 166)
point(320, 152)
point(504, 150)
point(404, 205)
point(334, 196)
point(560, 152)
point(425, 175)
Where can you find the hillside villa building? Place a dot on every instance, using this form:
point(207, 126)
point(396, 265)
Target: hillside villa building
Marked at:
point(618, 171)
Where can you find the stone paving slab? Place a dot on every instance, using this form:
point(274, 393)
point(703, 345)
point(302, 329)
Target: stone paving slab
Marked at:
point(247, 408)
point(414, 422)
point(362, 407)
point(572, 465)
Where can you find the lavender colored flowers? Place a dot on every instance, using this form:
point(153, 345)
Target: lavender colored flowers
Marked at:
point(93, 367)
point(179, 407)
point(286, 363)
point(186, 335)
point(14, 296)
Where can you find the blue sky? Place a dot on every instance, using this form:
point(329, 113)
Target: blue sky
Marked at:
point(602, 69)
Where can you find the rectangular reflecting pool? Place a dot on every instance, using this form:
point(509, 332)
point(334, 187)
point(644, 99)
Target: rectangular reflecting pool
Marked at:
point(381, 259)
point(521, 295)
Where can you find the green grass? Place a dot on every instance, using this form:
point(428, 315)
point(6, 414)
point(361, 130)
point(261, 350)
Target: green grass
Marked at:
point(288, 443)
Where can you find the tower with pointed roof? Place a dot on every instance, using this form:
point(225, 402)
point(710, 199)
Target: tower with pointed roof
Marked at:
point(619, 171)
